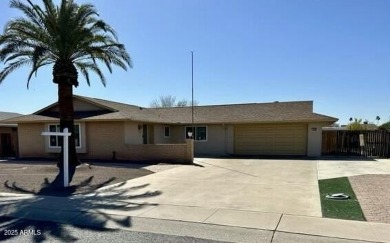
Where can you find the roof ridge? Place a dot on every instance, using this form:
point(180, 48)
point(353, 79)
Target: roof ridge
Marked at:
point(233, 104)
point(237, 104)
point(10, 113)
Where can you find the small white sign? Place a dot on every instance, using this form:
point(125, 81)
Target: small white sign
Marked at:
point(361, 139)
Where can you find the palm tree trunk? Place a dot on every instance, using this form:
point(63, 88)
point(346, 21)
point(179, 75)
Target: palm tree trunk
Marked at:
point(65, 76)
point(65, 104)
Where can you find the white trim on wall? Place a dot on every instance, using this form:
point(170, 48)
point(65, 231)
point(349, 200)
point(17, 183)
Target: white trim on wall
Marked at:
point(58, 147)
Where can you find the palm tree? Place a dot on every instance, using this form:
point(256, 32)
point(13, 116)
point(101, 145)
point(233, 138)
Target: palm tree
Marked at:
point(377, 120)
point(355, 124)
point(70, 37)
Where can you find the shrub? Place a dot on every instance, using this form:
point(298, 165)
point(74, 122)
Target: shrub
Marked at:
point(385, 126)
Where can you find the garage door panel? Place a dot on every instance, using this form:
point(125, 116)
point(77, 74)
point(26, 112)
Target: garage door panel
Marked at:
point(253, 142)
point(257, 148)
point(290, 139)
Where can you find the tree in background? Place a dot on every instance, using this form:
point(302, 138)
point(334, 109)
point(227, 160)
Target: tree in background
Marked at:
point(170, 101)
point(355, 124)
point(385, 126)
point(377, 119)
point(70, 37)
point(164, 101)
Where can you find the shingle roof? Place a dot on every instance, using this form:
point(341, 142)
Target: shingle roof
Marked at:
point(122, 111)
point(7, 115)
point(297, 111)
point(245, 113)
point(30, 118)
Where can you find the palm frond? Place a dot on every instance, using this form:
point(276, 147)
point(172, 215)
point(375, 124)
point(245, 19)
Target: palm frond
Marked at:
point(28, 11)
point(90, 66)
point(12, 66)
point(66, 33)
point(35, 68)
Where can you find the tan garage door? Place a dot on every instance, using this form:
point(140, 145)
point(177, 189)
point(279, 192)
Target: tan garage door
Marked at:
point(290, 139)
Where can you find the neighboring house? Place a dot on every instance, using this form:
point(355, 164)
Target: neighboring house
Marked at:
point(8, 136)
point(342, 128)
point(368, 127)
point(107, 129)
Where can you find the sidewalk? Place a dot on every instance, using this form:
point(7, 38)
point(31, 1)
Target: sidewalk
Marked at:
point(111, 211)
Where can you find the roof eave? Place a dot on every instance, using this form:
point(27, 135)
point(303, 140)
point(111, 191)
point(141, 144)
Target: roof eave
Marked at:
point(8, 125)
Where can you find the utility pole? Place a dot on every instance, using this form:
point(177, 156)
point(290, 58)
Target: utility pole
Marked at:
point(192, 93)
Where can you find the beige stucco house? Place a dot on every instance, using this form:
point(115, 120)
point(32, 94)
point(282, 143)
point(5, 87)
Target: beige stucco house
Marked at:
point(107, 129)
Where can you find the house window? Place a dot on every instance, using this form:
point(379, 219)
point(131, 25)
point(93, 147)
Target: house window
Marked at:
point(167, 132)
point(56, 141)
point(200, 133)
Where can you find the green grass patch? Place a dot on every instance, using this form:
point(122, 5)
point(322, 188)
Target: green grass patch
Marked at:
point(339, 209)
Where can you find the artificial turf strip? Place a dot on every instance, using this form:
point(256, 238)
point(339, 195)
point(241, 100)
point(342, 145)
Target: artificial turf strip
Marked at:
point(339, 209)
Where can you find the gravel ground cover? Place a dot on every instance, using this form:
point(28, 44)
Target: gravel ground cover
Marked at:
point(35, 176)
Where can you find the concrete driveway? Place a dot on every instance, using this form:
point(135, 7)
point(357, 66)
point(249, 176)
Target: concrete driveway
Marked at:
point(253, 185)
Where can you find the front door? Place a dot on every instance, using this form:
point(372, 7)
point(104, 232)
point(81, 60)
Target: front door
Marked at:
point(6, 145)
point(150, 134)
point(145, 134)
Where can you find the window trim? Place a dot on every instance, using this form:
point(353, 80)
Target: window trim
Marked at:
point(58, 147)
point(169, 132)
point(197, 126)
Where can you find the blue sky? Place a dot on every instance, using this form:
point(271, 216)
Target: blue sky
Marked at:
point(334, 52)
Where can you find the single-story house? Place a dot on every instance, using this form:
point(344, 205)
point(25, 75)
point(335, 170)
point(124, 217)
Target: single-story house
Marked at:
point(8, 135)
point(107, 129)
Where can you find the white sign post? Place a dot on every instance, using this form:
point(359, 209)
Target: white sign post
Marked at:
point(361, 140)
point(66, 136)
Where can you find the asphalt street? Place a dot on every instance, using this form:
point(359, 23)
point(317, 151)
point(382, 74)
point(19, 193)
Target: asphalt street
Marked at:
point(42, 231)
